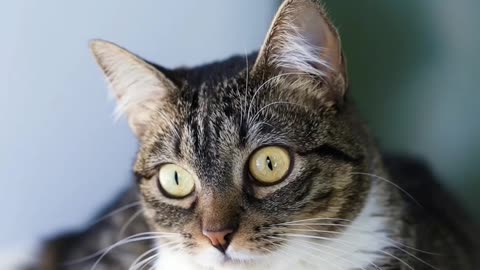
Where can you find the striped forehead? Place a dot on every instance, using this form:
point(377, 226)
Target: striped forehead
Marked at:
point(210, 125)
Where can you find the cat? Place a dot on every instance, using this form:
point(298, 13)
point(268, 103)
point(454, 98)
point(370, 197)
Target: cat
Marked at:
point(262, 162)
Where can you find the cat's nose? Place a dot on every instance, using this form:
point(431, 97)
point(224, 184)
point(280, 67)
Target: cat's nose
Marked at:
point(219, 239)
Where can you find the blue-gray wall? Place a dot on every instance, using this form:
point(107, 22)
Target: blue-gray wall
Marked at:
point(61, 155)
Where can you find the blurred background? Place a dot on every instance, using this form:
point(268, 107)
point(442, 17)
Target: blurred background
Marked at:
point(415, 74)
point(413, 67)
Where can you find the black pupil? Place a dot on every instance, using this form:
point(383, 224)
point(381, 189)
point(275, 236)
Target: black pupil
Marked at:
point(269, 163)
point(176, 177)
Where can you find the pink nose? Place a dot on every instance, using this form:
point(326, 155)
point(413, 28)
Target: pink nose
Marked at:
point(219, 239)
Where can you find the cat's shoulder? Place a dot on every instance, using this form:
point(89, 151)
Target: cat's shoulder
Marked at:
point(416, 177)
point(434, 209)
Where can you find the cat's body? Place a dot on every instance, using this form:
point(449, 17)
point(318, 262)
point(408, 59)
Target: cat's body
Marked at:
point(262, 162)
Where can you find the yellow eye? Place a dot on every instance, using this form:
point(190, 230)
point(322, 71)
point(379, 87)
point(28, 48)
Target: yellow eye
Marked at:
point(175, 181)
point(270, 164)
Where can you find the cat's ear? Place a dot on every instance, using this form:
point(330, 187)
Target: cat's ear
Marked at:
point(138, 87)
point(302, 44)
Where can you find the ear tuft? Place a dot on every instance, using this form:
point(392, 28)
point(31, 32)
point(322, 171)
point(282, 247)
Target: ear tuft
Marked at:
point(294, 52)
point(138, 87)
point(302, 41)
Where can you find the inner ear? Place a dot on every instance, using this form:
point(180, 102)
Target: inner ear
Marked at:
point(141, 89)
point(303, 43)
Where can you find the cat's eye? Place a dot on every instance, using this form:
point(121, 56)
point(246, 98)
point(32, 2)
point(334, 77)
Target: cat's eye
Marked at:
point(175, 181)
point(270, 164)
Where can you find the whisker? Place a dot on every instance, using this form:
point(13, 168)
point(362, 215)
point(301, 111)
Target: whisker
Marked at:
point(262, 123)
point(383, 239)
point(175, 246)
point(313, 219)
point(271, 104)
point(286, 258)
point(126, 242)
point(98, 253)
point(141, 261)
point(309, 254)
point(128, 222)
point(146, 262)
point(263, 85)
point(114, 212)
point(246, 83)
point(241, 107)
point(386, 239)
point(390, 182)
point(335, 256)
point(347, 243)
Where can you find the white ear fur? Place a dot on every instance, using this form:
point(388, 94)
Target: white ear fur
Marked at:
point(302, 40)
point(138, 87)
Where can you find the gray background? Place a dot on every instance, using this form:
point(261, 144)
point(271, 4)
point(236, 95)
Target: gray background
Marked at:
point(413, 66)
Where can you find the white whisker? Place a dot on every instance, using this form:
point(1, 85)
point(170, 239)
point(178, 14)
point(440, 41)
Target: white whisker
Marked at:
point(241, 107)
point(128, 222)
point(141, 261)
point(335, 256)
point(309, 254)
point(127, 241)
point(271, 104)
point(263, 85)
point(247, 73)
point(116, 211)
point(382, 238)
point(313, 219)
point(345, 243)
point(390, 182)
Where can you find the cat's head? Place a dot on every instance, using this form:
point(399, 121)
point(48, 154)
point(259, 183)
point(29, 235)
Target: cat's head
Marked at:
point(236, 168)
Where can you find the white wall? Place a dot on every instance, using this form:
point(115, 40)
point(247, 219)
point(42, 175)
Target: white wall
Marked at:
point(61, 155)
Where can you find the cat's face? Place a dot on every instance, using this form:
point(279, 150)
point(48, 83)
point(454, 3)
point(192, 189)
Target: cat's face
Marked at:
point(244, 177)
point(234, 168)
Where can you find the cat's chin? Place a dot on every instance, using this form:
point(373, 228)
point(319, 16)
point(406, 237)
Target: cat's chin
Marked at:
point(231, 259)
point(212, 259)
